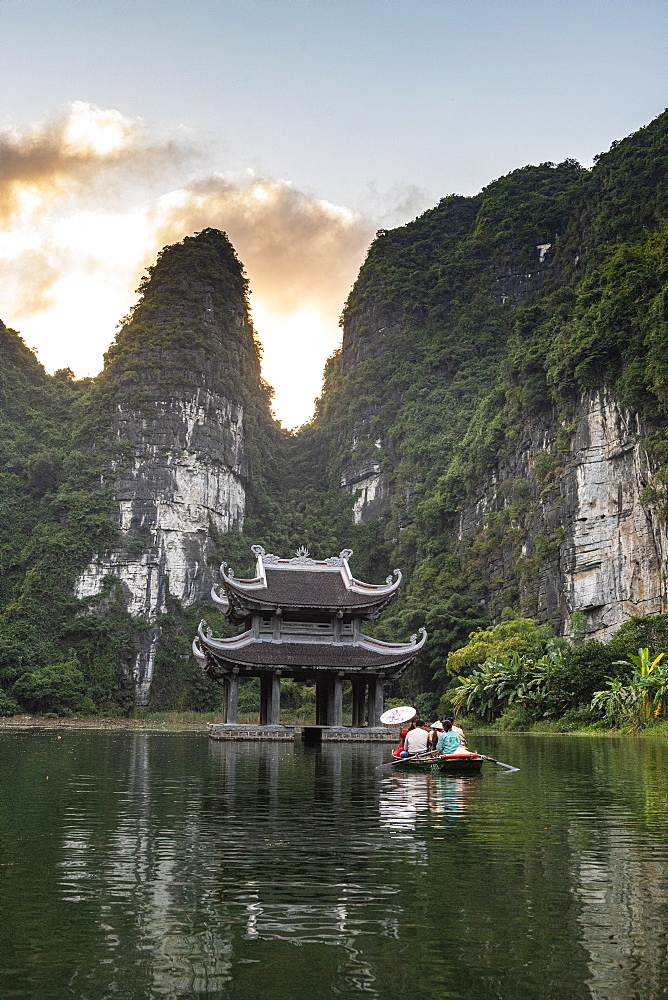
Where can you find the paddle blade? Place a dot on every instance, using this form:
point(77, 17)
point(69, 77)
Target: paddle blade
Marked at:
point(493, 760)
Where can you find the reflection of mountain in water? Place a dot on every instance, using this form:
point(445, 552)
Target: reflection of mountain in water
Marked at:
point(263, 851)
point(621, 889)
point(619, 897)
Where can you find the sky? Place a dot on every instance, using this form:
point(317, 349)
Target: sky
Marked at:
point(299, 127)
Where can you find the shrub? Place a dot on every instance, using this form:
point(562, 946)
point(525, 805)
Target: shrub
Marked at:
point(641, 631)
point(249, 696)
point(427, 705)
point(517, 717)
point(59, 688)
point(583, 671)
point(511, 680)
point(577, 718)
point(642, 699)
point(618, 703)
point(446, 708)
point(7, 704)
point(291, 695)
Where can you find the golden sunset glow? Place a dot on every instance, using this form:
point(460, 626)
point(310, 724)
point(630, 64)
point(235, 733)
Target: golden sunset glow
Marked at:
point(70, 270)
point(93, 130)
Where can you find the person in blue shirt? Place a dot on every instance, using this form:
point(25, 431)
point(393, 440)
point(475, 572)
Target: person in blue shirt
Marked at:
point(449, 740)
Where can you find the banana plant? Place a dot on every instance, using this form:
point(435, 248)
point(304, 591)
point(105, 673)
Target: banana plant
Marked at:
point(619, 703)
point(649, 681)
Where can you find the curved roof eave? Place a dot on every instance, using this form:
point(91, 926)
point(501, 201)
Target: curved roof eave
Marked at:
point(391, 653)
point(264, 596)
point(198, 654)
point(377, 589)
point(243, 586)
point(235, 642)
point(379, 646)
point(221, 600)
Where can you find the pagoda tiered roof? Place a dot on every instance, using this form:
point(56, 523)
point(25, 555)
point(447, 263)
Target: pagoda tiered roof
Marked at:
point(303, 583)
point(303, 619)
point(303, 654)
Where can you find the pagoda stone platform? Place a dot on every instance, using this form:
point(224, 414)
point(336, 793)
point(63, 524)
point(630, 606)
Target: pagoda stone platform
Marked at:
point(309, 734)
point(234, 731)
point(344, 734)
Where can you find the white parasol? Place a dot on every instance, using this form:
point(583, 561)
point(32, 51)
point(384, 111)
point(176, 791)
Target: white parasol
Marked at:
point(395, 716)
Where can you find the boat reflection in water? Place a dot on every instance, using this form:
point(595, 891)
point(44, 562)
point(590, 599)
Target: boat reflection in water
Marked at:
point(405, 797)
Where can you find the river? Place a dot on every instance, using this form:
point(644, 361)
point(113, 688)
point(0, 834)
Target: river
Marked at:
point(146, 865)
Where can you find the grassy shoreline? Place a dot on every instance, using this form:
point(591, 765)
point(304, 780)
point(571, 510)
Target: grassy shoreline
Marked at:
point(193, 722)
point(657, 729)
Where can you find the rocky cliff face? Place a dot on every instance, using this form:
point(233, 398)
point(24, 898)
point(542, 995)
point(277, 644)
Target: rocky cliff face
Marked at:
point(580, 539)
point(176, 392)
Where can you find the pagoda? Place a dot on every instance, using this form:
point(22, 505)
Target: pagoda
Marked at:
point(303, 620)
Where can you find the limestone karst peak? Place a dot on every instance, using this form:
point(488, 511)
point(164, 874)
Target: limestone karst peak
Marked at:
point(193, 299)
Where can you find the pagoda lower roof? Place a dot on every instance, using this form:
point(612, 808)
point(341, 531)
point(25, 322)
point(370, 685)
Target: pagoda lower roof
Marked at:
point(247, 650)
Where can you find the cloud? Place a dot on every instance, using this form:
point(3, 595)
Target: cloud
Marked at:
point(29, 281)
point(398, 204)
point(75, 152)
point(299, 251)
point(88, 199)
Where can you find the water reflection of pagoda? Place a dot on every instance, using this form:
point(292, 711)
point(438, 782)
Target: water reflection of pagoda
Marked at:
point(303, 620)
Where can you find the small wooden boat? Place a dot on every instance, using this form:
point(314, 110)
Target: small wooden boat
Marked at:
point(454, 763)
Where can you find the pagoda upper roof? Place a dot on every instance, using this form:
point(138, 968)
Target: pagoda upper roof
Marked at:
point(303, 583)
point(249, 650)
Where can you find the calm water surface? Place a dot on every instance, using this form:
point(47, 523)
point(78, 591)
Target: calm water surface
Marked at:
point(140, 865)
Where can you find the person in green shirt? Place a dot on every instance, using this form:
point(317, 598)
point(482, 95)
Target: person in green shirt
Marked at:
point(449, 740)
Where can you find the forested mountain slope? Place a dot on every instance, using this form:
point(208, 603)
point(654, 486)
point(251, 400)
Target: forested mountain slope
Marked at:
point(499, 403)
point(149, 467)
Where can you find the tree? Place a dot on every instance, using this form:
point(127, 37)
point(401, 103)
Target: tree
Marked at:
point(59, 688)
point(521, 635)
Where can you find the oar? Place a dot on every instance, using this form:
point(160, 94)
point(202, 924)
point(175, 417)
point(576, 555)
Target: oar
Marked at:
point(493, 760)
point(400, 760)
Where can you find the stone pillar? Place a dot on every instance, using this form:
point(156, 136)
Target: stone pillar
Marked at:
point(274, 699)
point(230, 697)
point(233, 706)
point(329, 714)
point(225, 693)
point(264, 698)
point(321, 699)
point(335, 712)
point(375, 700)
point(359, 697)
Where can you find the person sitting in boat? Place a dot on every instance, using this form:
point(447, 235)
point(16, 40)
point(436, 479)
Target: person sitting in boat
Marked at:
point(398, 750)
point(462, 737)
point(417, 740)
point(435, 730)
point(449, 741)
point(404, 732)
